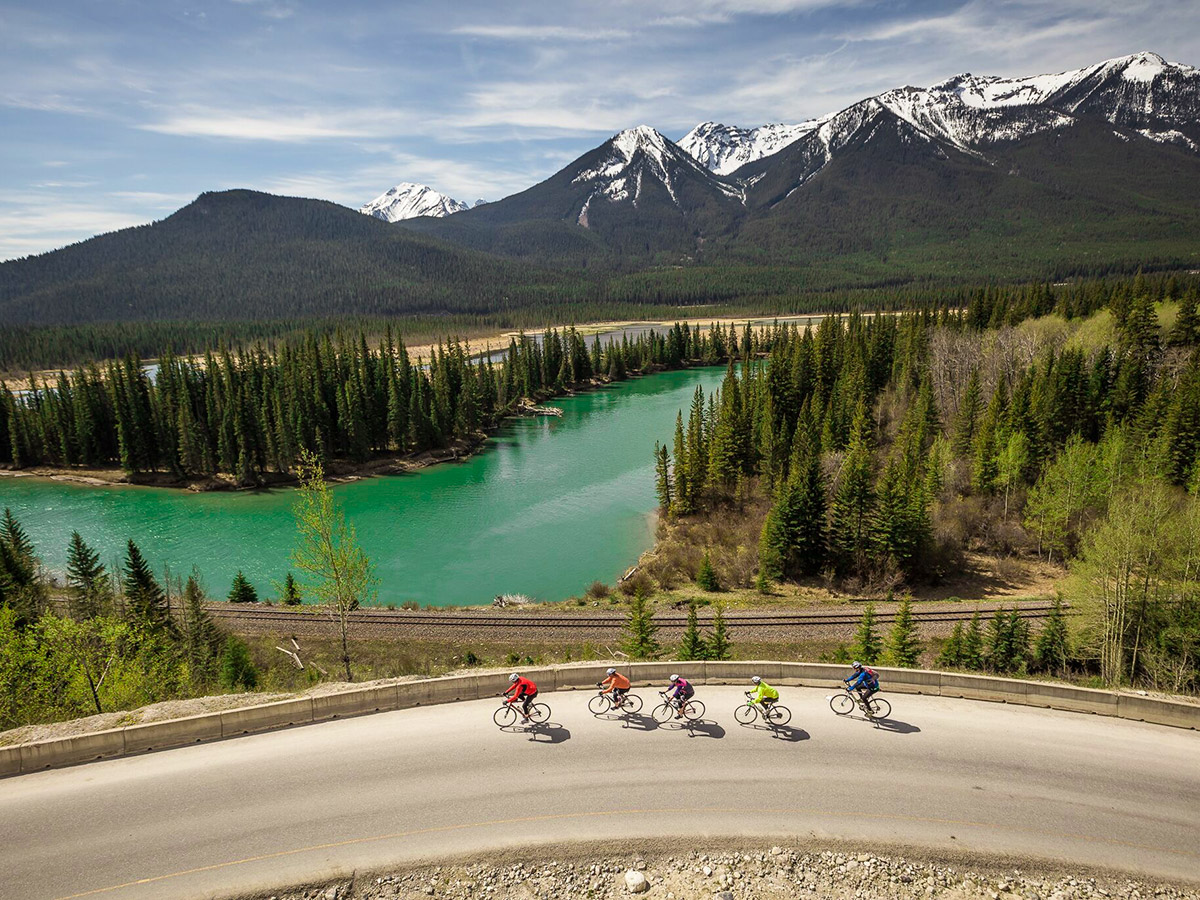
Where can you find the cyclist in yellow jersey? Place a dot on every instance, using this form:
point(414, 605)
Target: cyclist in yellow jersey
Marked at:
point(763, 693)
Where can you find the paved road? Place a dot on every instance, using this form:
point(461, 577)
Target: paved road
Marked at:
point(274, 808)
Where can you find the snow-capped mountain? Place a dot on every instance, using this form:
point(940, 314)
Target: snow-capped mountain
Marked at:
point(1158, 99)
point(408, 201)
point(619, 170)
point(724, 148)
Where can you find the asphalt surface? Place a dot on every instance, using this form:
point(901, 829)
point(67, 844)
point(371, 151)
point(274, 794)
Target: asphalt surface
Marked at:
point(279, 808)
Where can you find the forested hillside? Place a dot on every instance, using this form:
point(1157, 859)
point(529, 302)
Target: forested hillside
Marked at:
point(246, 255)
point(888, 447)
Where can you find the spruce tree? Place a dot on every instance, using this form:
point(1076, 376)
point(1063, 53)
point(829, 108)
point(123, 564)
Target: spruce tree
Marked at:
point(972, 643)
point(1052, 650)
point(662, 478)
point(904, 644)
point(866, 647)
point(720, 647)
point(640, 629)
point(965, 421)
point(145, 601)
point(290, 594)
point(692, 646)
point(238, 672)
point(242, 590)
point(203, 642)
point(706, 577)
point(853, 528)
point(951, 654)
point(87, 582)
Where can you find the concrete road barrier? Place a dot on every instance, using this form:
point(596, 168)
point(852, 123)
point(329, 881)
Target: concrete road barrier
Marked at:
point(266, 717)
point(10, 760)
point(1073, 699)
point(811, 674)
point(740, 672)
point(1160, 712)
point(77, 749)
point(404, 695)
point(172, 733)
point(909, 681)
point(354, 703)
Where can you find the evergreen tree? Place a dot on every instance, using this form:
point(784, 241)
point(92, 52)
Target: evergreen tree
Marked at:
point(145, 601)
point(706, 577)
point(238, 672)
point(1186, 331)
point(904, 644)
point(242, 590)
point(87, 582)
point(852, 533)
point(720, 647)
point(972, 643)
point(1052, 650)
point(640, 629)
point(951, 655)
point(203, 642)
point(662, 478)
point(968, 416)
point(692, 646)
point(866, 647)
point(290, 594)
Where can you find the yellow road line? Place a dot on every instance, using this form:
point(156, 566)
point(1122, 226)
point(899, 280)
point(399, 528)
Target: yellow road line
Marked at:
point(623, 812)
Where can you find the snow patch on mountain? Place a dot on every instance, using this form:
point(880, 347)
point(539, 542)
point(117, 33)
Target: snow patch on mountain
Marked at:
point(635, 154)
point(409, 201)
point(724, 148)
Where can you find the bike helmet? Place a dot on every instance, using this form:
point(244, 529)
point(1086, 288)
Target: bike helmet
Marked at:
point(856, 666)
point(754, 679)
point(512, 679)
point(674, 678)
point(611, 672)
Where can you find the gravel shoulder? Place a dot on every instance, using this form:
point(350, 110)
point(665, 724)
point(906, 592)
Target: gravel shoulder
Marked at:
point(737, 871)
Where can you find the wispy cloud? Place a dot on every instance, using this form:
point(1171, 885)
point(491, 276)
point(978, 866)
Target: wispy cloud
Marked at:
point(540, 32)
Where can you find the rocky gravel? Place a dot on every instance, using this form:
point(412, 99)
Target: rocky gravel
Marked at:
point(775, 872)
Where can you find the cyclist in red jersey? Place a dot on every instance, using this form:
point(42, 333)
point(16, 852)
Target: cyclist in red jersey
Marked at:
point(521, 689)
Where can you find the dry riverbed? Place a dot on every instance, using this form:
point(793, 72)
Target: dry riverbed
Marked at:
point(744, 874)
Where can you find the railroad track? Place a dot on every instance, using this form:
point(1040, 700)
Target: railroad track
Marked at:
point(397, 619)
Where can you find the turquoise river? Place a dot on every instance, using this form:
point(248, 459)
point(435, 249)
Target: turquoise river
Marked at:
point(551, 505)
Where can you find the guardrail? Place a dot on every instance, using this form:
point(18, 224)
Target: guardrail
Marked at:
point(131, 739)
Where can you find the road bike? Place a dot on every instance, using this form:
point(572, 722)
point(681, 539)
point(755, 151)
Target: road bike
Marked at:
point(843, 703)
point(773, 714)
point(693, 709)
point(602, 703)
point(509, 714)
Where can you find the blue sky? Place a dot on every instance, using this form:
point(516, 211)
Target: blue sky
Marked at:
point(118, 112)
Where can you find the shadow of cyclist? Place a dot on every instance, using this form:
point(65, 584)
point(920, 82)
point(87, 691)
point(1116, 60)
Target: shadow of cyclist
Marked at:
point(547, 732)
point(697, 727)
point(896, 726)
point(639, 722)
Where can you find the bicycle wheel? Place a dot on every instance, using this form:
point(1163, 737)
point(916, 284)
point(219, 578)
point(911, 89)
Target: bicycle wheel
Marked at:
point(878, 708)
point(745, 714)
point(539, 713)
point(599, 704)
point(842, 704)
point(631, 705)
point(663, 712)
point(505, 717)
point(693, 710)
point(778, 715)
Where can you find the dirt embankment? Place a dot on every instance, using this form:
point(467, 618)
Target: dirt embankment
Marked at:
point(754, 873)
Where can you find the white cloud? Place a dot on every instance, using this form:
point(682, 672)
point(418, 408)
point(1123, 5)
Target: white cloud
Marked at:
point(276, 125)
point(540, 32)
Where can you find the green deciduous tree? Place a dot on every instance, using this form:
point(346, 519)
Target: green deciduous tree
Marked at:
point(339, 574)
